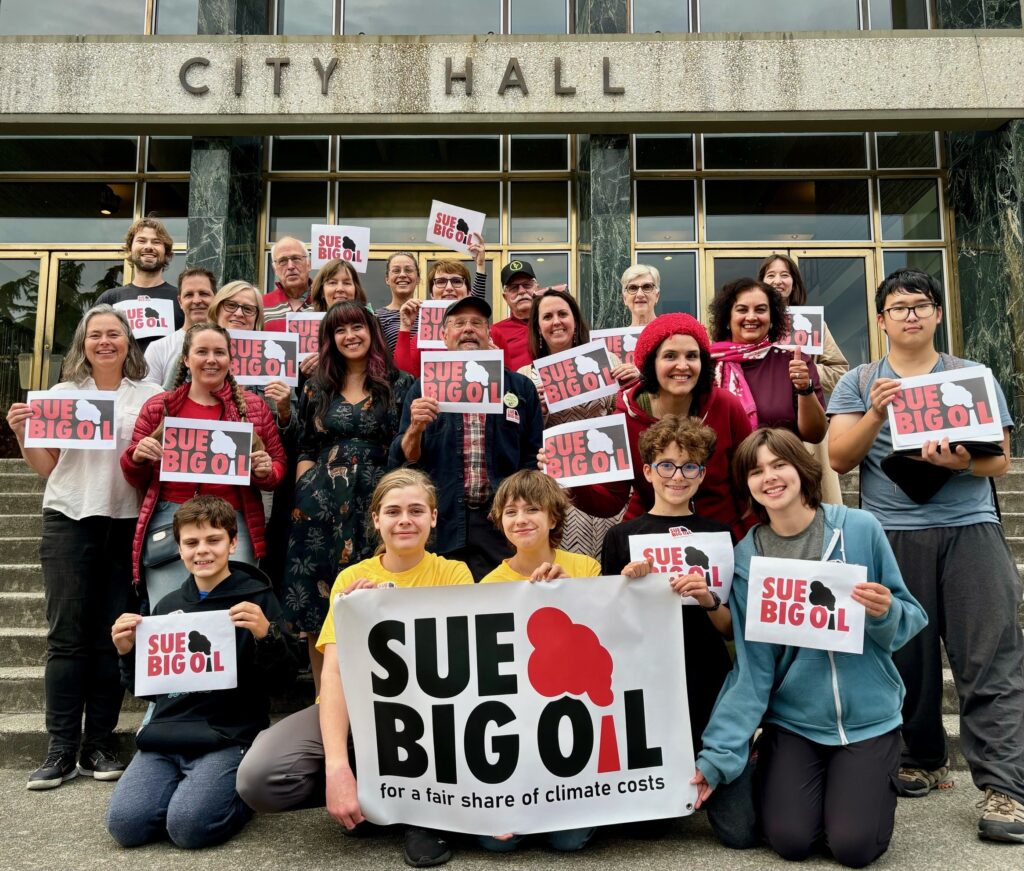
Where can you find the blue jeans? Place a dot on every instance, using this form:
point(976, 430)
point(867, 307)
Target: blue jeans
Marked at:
point(190, 799)
point(566, 841)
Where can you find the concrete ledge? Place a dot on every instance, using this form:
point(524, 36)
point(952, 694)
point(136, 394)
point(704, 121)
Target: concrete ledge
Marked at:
point(624, 83)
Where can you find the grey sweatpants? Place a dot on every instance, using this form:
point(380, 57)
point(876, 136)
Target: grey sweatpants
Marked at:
point(967, 582)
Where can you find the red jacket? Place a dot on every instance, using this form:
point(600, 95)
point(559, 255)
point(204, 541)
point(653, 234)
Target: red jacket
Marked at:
point(716, 498)
point(513, 337)
point(407, 354)
point(144, 476)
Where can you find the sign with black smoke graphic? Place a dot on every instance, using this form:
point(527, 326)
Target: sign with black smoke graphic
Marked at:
point(184, 653)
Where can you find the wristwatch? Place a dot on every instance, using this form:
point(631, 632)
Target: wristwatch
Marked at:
point(807, 391)
point(718, 602)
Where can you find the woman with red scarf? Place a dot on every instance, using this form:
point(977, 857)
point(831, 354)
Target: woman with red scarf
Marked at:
point(777, 388)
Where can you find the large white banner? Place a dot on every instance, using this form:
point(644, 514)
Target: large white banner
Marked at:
point(518, 707)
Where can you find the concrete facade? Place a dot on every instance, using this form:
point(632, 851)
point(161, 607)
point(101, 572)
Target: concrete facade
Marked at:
point(600, 84)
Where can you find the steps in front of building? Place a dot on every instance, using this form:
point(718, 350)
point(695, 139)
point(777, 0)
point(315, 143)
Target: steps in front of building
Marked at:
point(23, 738)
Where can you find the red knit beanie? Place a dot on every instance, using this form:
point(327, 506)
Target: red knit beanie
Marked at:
point(662, 327)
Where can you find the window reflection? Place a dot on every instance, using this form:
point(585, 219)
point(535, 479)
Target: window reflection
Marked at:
point(68, 153)
point(42, 212)
point(840, 284)
point(910, 208)
point(785, 151)
point(412, 17)
point(294, 207)
point(539, 211)
point(906, 150)
point(538, 152)
point(19, 300)
point(659, 151)
point(299, 153)
point(305, 16)
point(419, 153)
point(664, 16)
point(176, 16)
point(79, 285)
point(736, 16)
point(168, 201)
point(786, 210)
point(664, 211)
point(169, 154)
point(678, 279)
point(537, 16)
point(899, 14)
point(59, 17)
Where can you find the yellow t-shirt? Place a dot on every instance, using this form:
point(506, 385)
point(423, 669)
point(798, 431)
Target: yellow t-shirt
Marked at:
point(576, 565)
point(431, 571)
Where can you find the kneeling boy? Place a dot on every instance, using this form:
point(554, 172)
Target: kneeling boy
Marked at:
point(181, 784)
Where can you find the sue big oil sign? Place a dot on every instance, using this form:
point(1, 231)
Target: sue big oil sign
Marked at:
point(591, 451)
point(576, 375)
point(464, 381)
point(960, 404)
point(620, 341)
point(806, 329)
point(305, 325)
point(81, 419)
point(453, 227)
point(517, 707)
point(185, 652)
point(681, 552)
point(805, 603)
point(206, 451)
point(337, 242)
point(148, 318)
point(431, 318)
point(259, 358)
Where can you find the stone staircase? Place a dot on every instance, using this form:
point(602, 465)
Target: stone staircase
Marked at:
point(23, 738)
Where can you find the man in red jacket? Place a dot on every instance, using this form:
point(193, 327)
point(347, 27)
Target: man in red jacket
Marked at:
point(519, 287)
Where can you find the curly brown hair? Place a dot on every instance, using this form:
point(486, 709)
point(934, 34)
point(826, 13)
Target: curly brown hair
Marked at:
point(689, 434)
point(721, 309)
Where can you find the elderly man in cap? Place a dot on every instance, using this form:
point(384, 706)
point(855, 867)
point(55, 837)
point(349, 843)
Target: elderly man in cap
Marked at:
point(519, 287)
point(469, 455)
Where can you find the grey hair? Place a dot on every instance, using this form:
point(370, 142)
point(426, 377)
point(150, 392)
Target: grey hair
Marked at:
point(641, 269)
point(77, 368)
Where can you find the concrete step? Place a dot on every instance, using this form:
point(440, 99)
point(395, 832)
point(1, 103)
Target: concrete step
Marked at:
point(21, 482)
point(21, 525)
point(22, 647)
point(21, 578)
point(22, 503)
point(19, 549)
point(24, 740)
point(22, 610)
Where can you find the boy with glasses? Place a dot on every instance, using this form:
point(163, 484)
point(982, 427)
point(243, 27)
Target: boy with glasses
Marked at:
point(955, 561)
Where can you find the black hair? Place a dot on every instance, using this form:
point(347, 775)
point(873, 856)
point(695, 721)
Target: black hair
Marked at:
point(908, 281)
point(725, 299)
point(701, 390)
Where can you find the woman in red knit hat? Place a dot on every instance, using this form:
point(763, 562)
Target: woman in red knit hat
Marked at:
point(674, 359)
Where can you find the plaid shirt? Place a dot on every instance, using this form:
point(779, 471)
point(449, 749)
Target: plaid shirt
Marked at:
point(474, 460)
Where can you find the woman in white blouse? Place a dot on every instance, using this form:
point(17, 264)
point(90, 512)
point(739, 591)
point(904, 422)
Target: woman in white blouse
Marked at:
point(89, 516)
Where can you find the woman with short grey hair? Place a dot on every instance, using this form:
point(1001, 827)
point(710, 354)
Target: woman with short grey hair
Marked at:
point(641, 287)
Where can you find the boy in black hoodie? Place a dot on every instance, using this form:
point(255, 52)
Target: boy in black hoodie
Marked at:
point(181, 784)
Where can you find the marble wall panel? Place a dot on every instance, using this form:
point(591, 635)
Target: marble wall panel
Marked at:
point(983, 14)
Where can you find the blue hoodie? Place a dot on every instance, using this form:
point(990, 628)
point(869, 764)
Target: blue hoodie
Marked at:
point(829, 698)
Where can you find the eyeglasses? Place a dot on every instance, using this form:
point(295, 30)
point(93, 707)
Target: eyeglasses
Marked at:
point(230, 306)
point(461, 323)
point(921, 311)
point(292, 258)
point(455, 281)
point(634, 289)
point(399, 270)
point(521, 285)
point(668, 470)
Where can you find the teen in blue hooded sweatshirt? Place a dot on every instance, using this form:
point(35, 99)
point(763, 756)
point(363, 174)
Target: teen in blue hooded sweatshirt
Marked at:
point(829, 752)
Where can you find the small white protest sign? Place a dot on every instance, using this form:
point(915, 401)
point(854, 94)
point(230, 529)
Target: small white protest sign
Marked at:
point(148, 318)
point(340, 242)
point(464, 381)
point(185, 653)
point(452, 226)
point(77, 419)
point(709, 553)
point(576, 375)
point(431, 317)
point(305, 325)
point(206, 451)
point(592, 451)
point(807, 329)
point(620, 341)
point(259, 358)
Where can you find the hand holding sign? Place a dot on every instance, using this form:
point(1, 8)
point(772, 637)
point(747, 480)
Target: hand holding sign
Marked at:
point(876, 598)
point(209, 452)
point(454, 227)
point(184, 652)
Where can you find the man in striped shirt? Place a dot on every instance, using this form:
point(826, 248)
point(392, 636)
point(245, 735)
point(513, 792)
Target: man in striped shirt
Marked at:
point(291, 290)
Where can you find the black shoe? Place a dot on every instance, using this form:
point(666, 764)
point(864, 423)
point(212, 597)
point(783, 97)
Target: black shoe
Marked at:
point(424, 848)
point(101, 765)
point(58, 766)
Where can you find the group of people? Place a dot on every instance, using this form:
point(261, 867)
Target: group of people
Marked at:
point(358, 478)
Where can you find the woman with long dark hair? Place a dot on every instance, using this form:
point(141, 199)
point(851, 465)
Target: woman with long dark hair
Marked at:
point(89, 514)
point(348, 414)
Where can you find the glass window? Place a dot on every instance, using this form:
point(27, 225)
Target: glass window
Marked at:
point(397, 211)
point(58, 17)
point(664, 152)
point(411, 17)
point(738, 16)
point(786, 210)
point(727, 269)
point(678, 271)
point(661, 16)
point(378, 294)
point(840, 284)
point(899, 14)
point(41, 212)
point(906, 150)
point(305, 16)
point(67, 154)
point(664, 211)
point(537, 16)
point(930, 262)
point(539, 152)
point(299, 153)
point(176, 16)
point(550, 267)
point(79, 285)
point(785, 151)
point(169, 154)
point(294, 207)
point(538, 211)
point(419, 154)
point(168, 201)
point(910, 208)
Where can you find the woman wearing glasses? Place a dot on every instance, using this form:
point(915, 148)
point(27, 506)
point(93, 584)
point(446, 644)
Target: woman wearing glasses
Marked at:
point(641, 287)
point(447, 279)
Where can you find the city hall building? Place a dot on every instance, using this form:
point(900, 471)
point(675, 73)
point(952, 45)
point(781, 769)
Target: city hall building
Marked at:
point(697, 136)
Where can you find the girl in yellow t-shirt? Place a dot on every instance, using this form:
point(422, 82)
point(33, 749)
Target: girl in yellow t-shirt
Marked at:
point(530, 509)
point(290, 762)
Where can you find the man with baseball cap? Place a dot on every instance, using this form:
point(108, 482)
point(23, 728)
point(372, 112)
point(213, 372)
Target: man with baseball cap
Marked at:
point(469, 455)
point(519, 287)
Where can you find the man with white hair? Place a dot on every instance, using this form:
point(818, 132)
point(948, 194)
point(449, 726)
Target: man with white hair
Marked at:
point(291, 290)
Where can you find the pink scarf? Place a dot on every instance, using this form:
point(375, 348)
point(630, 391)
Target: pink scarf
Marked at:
point(729, 371)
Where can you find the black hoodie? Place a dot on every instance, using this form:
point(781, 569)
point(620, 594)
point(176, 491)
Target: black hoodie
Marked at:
point(200, 722)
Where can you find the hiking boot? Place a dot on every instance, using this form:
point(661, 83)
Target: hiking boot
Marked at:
point(917, 782)
point(58, 766)
point(1002, 818)
point(101, 765)
point(424, 848)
